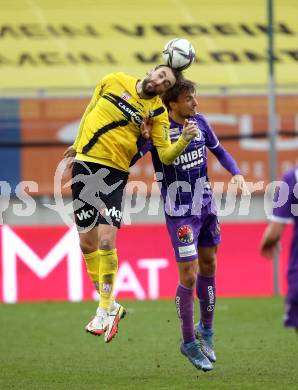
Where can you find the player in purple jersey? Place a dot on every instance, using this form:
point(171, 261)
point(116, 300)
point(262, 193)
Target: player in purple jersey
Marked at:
point(191, 219)
point(285, 210)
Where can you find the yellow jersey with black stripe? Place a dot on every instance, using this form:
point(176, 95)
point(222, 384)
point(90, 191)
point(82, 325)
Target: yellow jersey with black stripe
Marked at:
point(110, 126)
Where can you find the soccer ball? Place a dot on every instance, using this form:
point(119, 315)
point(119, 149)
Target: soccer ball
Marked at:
point(179, 53)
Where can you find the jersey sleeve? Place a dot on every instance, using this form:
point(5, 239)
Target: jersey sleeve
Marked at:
point(95, 97)
point(226, 160)
point(211, 138)
point(284, 196)
point(160, 130)
point(167, 152)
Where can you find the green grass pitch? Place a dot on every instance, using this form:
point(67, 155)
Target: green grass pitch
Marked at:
point(44, 346)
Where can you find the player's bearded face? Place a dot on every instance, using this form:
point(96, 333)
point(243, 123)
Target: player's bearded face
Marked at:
point(158, 81)
point(148, 86)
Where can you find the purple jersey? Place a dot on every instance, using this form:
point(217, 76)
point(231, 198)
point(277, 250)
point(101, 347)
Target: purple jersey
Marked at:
point(184, 184)
point(287, 197)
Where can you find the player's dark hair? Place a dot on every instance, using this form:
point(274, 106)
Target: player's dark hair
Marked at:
point(182, 85)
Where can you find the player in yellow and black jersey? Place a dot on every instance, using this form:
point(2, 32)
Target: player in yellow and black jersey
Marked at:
point(111, 124)
point(104, 147)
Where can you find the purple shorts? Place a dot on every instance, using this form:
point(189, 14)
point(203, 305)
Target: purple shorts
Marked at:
point(188, 233)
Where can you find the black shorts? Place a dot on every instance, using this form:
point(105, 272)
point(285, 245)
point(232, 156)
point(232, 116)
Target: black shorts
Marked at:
point(97, 192)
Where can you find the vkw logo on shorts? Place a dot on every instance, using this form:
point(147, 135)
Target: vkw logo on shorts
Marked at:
point(185, 234)
point(85, 214)
point(114, 213)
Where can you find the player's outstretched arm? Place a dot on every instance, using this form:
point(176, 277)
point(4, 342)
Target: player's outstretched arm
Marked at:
point(168, 152)
point(270, 239)
point(228, 162)
point(241, 184)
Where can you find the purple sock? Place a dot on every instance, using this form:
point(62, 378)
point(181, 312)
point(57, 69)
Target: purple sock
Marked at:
point(185, 308)
point(207, 296)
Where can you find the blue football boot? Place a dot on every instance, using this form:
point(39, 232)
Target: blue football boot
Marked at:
point(193, 352)
point(204, 335)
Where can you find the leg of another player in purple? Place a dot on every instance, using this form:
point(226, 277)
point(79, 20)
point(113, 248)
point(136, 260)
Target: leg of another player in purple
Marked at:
point(291, 312)
point(185, 311)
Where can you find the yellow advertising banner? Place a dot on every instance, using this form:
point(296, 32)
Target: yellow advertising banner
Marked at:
point(70, 44)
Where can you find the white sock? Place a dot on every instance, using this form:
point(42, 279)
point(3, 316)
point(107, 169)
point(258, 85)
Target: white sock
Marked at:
point(101, 312)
